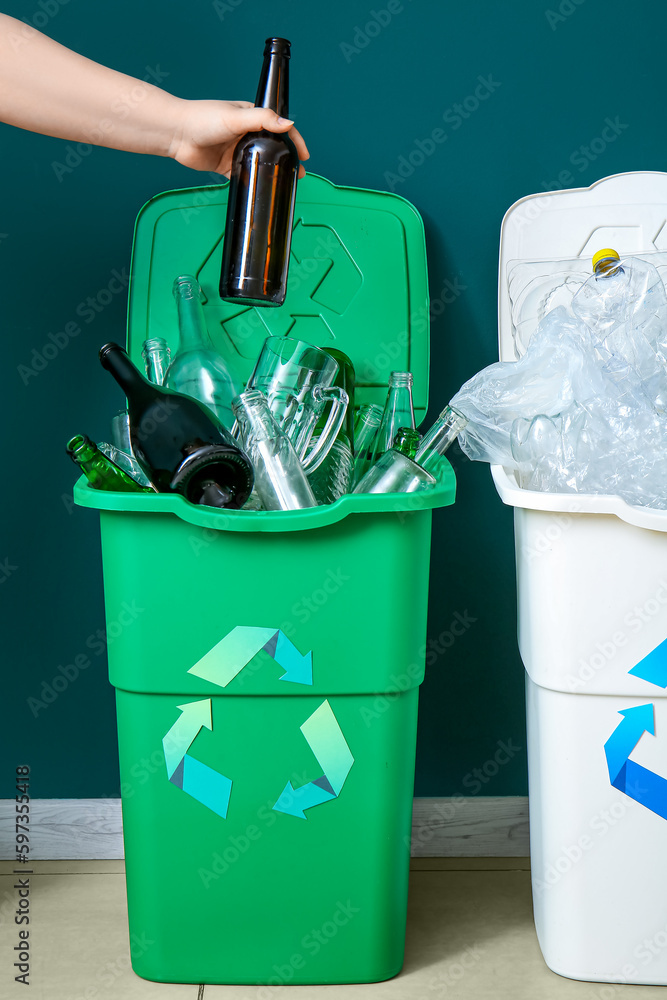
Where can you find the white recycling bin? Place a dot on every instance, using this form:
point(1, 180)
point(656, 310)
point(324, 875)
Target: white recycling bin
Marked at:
point(592, 604)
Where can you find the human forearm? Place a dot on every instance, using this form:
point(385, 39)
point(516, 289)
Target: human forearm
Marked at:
point(47, 88)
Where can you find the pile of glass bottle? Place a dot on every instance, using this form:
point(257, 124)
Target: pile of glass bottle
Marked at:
point(294, 429)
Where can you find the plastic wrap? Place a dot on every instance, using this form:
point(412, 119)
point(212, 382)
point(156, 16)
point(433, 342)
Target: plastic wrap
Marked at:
point(584, 410)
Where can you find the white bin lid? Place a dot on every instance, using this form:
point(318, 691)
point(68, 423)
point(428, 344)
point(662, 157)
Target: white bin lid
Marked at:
point(625, 211)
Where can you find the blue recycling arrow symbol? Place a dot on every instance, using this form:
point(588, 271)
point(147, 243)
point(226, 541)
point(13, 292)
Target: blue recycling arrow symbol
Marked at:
point(653, 668)
point(640, 784)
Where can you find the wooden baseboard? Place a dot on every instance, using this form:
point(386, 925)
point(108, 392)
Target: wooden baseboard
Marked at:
point(86, 829)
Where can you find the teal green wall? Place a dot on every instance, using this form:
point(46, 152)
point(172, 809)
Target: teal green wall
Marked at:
point(362, 102)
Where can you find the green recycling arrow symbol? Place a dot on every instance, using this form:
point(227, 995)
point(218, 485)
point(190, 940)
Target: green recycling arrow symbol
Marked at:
point(186, 772)
point(321, 729)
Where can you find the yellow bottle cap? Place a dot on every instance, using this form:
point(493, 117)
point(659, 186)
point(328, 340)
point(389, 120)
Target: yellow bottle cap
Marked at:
point(606, 254)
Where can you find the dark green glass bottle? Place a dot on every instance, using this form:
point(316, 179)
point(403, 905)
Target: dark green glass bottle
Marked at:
point(178, 441)
point(407, 441)
point(100, 471)
point(332, 478)
point(262, 189)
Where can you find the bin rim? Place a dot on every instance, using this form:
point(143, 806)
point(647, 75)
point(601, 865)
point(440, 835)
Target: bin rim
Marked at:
point(575, 503)
point(441, 495)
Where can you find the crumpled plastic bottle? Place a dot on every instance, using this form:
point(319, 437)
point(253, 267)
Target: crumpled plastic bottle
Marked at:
point(584, 409)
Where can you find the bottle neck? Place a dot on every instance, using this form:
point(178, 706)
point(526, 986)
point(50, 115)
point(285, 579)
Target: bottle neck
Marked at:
point(120, 432)
point(116, 361)
point(407, 441)
point(273, 87)
point(440, 437)
point(82, 449)
point(400, 380)
point(191, 322)
point(156, 356)
point(251, 409)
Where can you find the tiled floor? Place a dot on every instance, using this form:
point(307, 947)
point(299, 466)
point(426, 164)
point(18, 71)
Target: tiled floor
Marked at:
point(470, 935)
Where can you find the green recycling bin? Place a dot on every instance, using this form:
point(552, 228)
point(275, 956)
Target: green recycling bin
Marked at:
point(267, 664)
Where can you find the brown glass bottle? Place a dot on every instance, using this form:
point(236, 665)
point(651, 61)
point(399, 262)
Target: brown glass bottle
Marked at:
point(262, 189)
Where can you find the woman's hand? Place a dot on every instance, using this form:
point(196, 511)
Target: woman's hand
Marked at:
point(208, 131)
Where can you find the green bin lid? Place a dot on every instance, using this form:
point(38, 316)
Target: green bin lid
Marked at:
point(357, 281)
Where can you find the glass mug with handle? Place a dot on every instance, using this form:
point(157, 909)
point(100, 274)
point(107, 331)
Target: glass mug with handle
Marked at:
point(280, 481)
point(297, 380)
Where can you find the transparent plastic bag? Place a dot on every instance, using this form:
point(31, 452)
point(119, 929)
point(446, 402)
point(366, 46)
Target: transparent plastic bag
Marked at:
point(584, 409)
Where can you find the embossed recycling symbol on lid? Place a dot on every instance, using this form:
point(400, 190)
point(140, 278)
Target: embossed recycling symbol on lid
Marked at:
point(323, 280)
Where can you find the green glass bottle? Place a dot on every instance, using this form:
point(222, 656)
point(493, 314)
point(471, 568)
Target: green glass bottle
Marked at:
point(333, 476)
point(365, 432)
point(100, 471)
point(407, 441)
point(398, 411)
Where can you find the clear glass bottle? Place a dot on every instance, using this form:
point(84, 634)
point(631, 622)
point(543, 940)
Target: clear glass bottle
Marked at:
point(333, 476)
point(100, 471)
point(197, 369)
point(398, 411)
point(394, 472)
point(280, 481)
point(365, 431)
point(439, 437)
point(157, 358)
point(122, 446)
